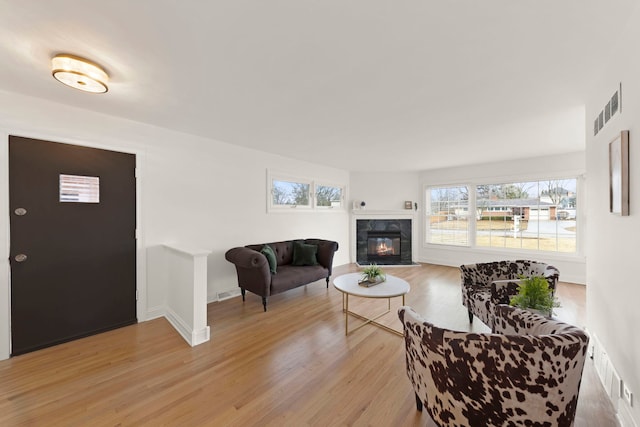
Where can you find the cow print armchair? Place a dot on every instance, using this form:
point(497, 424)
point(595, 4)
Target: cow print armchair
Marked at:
point(528, 373)
point(485, 285)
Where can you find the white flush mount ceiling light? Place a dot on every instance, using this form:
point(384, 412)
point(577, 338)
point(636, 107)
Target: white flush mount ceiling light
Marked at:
point(79, 73)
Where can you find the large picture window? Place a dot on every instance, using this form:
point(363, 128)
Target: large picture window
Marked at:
point(536, 215)
point(530, 215)
point(448, 216)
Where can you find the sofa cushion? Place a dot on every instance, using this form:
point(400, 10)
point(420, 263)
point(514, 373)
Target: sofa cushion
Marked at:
point(304, 254)
point(271, 258)
point(290, 276)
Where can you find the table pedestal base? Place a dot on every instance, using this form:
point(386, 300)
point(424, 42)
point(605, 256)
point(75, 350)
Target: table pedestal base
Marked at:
point(367, 320)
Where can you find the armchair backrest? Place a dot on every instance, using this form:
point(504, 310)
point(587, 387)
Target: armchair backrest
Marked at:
point(532, 374)
point(487, 272)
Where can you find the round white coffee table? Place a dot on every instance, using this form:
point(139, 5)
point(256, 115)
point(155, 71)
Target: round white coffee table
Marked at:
point(390, 288)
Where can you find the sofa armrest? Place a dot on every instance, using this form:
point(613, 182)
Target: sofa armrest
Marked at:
point(326, 250)
point(503, 290)
point(252, 268)
point(246, 258)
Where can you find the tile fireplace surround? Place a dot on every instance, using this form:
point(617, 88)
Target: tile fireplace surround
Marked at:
point(401, 223)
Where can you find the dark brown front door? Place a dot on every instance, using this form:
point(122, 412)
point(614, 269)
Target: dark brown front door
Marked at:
point(73, 247)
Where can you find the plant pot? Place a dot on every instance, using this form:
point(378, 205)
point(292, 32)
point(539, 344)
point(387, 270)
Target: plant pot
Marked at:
point(371, 281)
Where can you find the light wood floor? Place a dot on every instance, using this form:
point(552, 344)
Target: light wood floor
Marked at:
point(291, 366)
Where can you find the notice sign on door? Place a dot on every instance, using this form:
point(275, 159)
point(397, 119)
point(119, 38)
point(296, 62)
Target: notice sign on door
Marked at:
point(79, 189)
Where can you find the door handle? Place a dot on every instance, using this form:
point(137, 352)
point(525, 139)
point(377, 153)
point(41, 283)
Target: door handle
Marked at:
point(20, 258)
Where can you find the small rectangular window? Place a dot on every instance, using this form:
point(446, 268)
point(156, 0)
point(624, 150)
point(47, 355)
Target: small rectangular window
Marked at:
point(79, 189)
point(286, 193)
point(328, 196)
point(290, 193)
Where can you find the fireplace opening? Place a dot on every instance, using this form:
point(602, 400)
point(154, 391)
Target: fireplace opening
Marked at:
point(383, 241)
point(383, 247)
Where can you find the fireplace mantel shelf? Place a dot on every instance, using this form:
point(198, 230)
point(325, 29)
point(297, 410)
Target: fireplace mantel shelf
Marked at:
point(369, 212)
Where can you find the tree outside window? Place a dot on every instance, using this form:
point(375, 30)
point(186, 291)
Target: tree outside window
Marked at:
point(535, 215)
point(286, 193)
point(448, 216)
point(328, 196)
point(531, 215)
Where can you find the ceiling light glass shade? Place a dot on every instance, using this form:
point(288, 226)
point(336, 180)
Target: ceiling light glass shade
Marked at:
point(79, 73)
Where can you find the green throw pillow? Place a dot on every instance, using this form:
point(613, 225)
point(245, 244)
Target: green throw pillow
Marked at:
point(304, 254)
point(271, 258)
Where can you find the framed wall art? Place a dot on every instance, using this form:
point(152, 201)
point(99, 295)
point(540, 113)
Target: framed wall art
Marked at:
point(619, 174)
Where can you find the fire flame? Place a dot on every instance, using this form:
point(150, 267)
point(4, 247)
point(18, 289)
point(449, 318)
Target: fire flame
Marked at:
point(383, 249)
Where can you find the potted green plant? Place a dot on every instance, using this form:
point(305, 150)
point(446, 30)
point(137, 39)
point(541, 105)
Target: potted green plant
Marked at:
point(535, 294)
point(372, 275)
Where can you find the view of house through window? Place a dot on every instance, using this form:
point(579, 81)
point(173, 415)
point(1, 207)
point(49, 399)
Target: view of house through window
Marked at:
point(448, 216)
point(538, 215)
point(533, 215)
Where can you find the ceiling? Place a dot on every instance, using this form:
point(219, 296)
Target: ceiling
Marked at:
point(402, 84)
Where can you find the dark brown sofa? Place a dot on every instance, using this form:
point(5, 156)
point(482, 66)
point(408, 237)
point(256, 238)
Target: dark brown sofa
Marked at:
point(254, 274)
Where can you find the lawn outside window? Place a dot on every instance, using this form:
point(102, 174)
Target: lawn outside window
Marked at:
point(448, 215)
point(530, 215)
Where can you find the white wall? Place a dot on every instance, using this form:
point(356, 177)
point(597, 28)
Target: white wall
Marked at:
point(613, 287)
point(572, 267)
point(385, 190)
point(194, 192)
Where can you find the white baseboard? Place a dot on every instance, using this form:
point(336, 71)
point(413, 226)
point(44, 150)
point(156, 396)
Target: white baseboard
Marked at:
point(155, 312)
point(624, 415)
point(192, 337)
point(212, 297)
point(221, 296)
point(179, 325)
point(611, 381)
point(201, 336)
